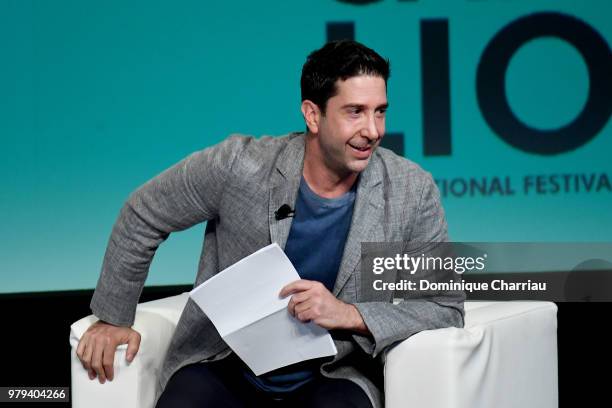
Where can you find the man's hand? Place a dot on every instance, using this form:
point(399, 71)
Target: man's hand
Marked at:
point(97, 346)
point(311, 301)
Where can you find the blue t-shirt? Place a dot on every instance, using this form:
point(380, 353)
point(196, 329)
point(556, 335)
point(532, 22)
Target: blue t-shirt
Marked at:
point(314, 246)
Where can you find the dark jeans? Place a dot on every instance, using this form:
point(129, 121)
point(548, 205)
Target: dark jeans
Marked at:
point(222, 384)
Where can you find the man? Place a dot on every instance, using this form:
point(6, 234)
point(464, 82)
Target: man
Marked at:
point(344, 190)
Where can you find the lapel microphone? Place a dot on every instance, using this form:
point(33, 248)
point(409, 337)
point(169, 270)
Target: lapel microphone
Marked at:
point(284, 211)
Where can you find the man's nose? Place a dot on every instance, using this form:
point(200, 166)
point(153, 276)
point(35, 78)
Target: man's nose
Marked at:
point(370, 129)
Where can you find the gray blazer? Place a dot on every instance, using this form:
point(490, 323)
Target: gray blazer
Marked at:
point(236, 186)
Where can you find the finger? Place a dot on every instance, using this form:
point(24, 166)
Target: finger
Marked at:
point(91, 373)
point(291, 307)
point(96, 361)
point(133, 345)
point(295, 286)
point(86, 360)
point(302, 307)
point(108, 360)
point(300, 297)
point(296, 299)
point(81, 346)
point(304, 316)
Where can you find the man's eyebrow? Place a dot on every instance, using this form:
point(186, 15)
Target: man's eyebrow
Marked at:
point(361, 106)
point(352, 105)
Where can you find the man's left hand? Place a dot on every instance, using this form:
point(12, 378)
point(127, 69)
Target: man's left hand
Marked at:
point(311, 301)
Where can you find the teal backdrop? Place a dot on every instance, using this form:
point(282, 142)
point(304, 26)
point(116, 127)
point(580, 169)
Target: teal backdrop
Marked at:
point(98, 97)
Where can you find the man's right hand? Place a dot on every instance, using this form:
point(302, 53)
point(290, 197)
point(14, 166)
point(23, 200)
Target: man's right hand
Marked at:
point(97, 346)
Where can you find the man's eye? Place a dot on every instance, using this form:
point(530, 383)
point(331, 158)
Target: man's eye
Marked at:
point(382, 112)
point(354, 111)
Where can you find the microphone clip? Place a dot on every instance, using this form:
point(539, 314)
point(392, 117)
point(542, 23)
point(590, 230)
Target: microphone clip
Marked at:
point(284, 211)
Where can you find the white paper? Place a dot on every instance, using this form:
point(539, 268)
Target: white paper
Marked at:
point(243, 303)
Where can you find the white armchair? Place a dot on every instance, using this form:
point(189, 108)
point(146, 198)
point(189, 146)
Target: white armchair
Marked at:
point(505, 357)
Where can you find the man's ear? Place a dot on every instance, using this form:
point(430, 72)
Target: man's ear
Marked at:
point(312, 115)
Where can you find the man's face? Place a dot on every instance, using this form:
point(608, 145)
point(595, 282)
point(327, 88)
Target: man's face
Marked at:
point(353, 124)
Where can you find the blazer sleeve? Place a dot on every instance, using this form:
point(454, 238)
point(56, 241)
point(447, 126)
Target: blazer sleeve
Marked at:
point(391, 323)
point(184, 195)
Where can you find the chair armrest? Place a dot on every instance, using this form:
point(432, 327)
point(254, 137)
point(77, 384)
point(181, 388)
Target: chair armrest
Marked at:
point(505, 357)
point(135, 384)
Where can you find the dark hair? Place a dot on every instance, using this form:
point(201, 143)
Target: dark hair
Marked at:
point(338, 60)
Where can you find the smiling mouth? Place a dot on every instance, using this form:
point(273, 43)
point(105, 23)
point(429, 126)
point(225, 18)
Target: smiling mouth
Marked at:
point(361, 148)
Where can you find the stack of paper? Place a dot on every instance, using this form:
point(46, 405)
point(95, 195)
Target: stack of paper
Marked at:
point(243, 303)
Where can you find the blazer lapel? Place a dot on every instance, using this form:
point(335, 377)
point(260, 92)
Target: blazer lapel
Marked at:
point(366, 225)
point(284, 187)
